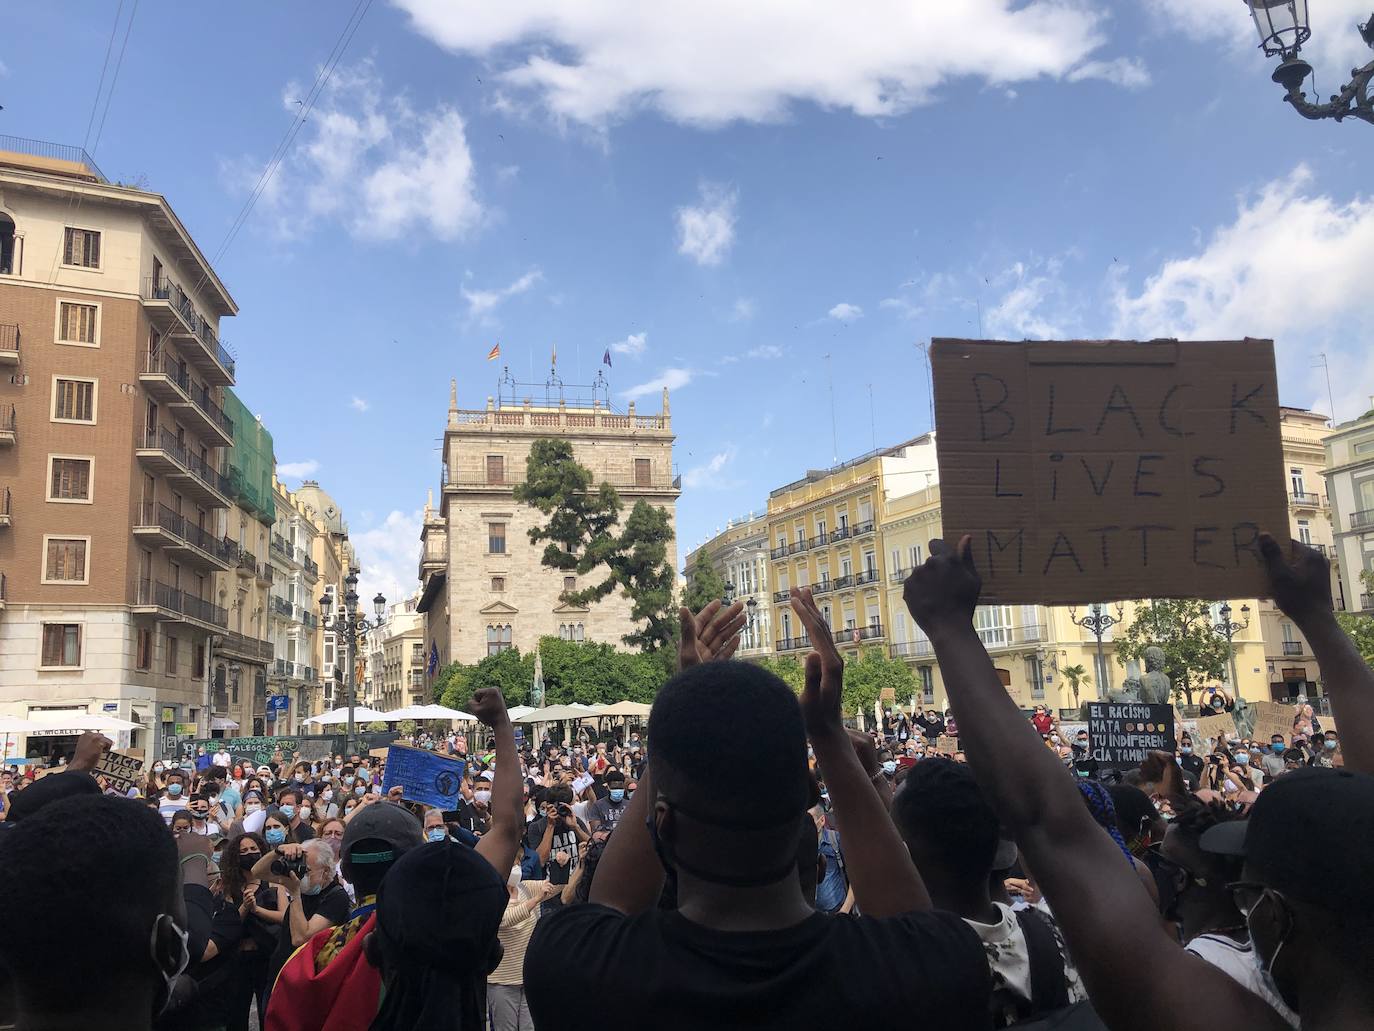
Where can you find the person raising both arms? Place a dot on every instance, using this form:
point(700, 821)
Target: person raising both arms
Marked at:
point(1306, 914)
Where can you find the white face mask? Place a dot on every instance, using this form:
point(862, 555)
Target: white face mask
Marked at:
point(481, 796)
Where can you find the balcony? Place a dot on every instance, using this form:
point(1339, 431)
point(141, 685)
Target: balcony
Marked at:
point(781, 596)
point(309, 675)
point(823, 586)
point(845, 582)
point(170, 310)
point(433, 557)
point(164, 379)
point(239, 646)
point(1358, 520)
point(779, 552)
point(911, 650)
point(840, 533)
point(199, 411)
point(1000, 638)
point(280, 607)
point(279, 545)
point(9, 428)
point(1292, 648)
point(1304, 499)
point(791, 644)
point(246, 563)
point(292, 670)
point(160, 450)
point(312, 568)
point(858, 634)
point(797, 547)
point(864, 529)
point(6, 502)
point(264, 574)
point(1366, 602)
point(183, 539)
point(898, 576)
point(865, 577)
point(176, 606)
point(9, 344)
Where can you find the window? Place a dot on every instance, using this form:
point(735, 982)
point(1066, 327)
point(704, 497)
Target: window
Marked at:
point(993, 623)
point(73, 400)
point(865, 512)
point(800, 532)
point(9, 263)
point(786, 625)
point(198, 663)
point(915, 553)
point(896, 560)
point(927, 685)
point(1304, 531)
point(496, 538)
point(1295, 478)
point(562, 631)
point(498, 639)
point(846, 569)
point(569, 583)
point(871, 563)
point(820, 530)
point(61, 644)
point(578, 634)
point(329, 649)
point(498, 584)
point(144, 659)
point(172, 644)
point(643, 473)
point(842, 522)
point(78, 323)
point(81, 247)
point(65, 560)
point(1033, 674)
point(496, 469)
point(69, 479)
point(1364, 447)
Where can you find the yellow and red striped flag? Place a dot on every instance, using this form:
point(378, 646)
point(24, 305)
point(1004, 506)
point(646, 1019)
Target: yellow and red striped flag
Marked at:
point(494, 353)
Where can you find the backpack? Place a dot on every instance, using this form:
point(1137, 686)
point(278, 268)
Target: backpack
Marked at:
point(1049, 1008)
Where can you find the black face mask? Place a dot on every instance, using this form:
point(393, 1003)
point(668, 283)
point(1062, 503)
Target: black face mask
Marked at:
point(249, 861)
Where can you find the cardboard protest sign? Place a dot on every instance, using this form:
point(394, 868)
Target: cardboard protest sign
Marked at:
point(1103, 470)
point(423, 776)
point(120, 771)
point(1120, 734)
point(946, 745)
point(1210, 727)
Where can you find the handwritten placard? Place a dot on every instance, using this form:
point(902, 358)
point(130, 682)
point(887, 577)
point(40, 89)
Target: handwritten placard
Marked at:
point(1120, 734)
point(120, 771)
point(1091, 471)
point(423, 776)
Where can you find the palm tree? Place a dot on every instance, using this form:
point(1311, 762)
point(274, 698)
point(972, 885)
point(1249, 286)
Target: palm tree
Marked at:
point(1076, 675)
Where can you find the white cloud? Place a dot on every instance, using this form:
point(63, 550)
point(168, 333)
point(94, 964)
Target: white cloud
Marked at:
point(297, 470)
point(481, 303)
point(1293, 266)
point(1335, 46)
point(707, 62)
point(742, 310)
point(1127, 72)
point(708, 474)
point(763, 351)
point(1021, 313)
point(373, 162)
point(706, 231)
point(670, 379)
point(386, 556)
point(846, 312)
point(633, 345)
point(904, 308)
point(358, 404)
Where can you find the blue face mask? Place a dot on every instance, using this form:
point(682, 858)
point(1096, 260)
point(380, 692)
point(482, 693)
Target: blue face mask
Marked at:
point(617, 794)
point(1187, 749)
point(289, 811)
point(275, 836)
point(1330, 746)
point(360, 790)
point(216, 856)
point(1278, 747)
point(889, 767)
point(174, 789)
point(436, 834)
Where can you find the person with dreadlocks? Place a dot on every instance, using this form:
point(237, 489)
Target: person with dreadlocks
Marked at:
point(1103, 809)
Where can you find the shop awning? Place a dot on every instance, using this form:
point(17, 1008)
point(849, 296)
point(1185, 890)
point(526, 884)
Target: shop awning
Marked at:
point(221, 723)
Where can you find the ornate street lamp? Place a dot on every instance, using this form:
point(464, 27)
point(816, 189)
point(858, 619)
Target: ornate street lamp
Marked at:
point(1228, 630)
point(349, 627)
point(1097, 624)
point(1283, 29)
point(752, 606)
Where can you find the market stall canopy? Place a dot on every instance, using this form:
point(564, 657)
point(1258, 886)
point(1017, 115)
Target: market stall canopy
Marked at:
point(555, 713)
point(361, 714)
point(519, 711)
point(626, 709)
point(14, 725)
point(221, 723)
point(77, 722)
point(427, 712)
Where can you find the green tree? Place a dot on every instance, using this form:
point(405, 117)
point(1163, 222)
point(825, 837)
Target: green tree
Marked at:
point(376, 727)
point(509, 672)
point(866, 678)
point(788, 668)
point(584, 535)
point(406, 727)
point(592, 673)
point(1360, 629)
point(1077, 677)
point(704, 585)
point(1182, 629)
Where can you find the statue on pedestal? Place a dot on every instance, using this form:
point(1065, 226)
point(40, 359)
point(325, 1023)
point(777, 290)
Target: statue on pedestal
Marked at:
point(1155, 686)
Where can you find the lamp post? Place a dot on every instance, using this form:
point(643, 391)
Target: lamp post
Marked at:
point(1228, 630)
point(1098, 623)
point(348, 626)
point(729, 598)
point(1283, 29)
point(752, 606)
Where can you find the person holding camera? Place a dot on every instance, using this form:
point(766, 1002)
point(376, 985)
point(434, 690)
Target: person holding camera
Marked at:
point(555, 836)
point(317, 900)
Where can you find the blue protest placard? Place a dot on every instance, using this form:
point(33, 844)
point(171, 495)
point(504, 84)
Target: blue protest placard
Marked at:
point(423, 776)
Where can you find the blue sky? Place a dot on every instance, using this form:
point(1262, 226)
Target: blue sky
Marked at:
point(723, 192)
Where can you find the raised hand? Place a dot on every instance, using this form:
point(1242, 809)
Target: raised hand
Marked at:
point(944, 590)
point(489, 707)
point(1299, 581)
point(824, 687)
point(712, 634)
point(89, 749)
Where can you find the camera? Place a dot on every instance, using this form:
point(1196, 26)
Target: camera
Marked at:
point(283, 866)
point(564, 809)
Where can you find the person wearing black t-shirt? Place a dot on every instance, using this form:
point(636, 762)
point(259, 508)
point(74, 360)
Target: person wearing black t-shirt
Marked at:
point(1190, 762)
point(744, 948)
point(318, 900)
point(557, 836)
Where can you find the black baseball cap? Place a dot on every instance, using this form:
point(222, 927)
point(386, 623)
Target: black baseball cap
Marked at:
point(1310, 835)
point(384, 831)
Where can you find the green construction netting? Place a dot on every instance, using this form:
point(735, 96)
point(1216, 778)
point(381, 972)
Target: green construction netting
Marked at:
point(250, 461)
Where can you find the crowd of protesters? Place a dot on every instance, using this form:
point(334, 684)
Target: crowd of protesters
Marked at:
point(749, 861)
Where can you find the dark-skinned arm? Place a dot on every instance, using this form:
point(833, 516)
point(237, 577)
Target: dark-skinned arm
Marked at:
point(501, 840)
point(629, 877)
point(1300, 583)
point(1108, 920)
point(879, 866)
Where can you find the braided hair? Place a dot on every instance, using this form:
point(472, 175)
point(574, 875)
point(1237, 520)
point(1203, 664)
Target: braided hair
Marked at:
point(1099, 803)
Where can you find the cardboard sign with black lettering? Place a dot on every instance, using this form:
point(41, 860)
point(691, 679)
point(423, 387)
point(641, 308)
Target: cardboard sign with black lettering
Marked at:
point(120, 771)
point(1121, 733)
point(1106, 470)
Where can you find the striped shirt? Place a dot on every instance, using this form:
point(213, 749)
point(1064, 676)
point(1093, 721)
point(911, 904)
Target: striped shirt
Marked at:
point(517, 925)
point(169, 807)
